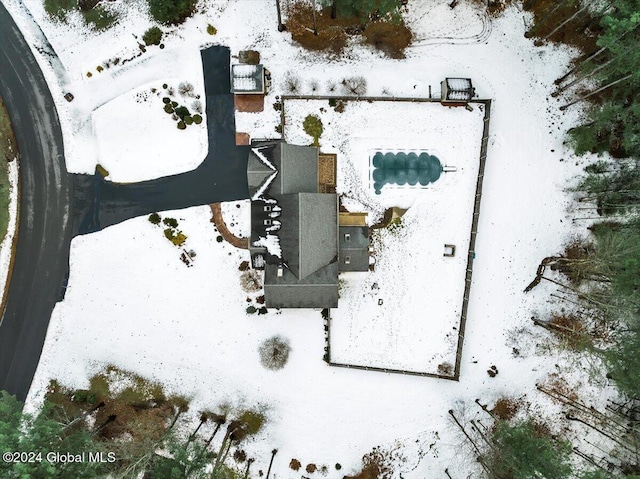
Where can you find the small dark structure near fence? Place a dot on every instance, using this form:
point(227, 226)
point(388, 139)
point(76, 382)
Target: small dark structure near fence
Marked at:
point(456, 91)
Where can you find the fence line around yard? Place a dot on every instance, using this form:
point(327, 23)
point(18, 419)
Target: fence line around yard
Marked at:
point(369, 99)
point(472, 242)
point(474, 232)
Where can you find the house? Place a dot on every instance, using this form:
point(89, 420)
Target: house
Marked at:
point(296, 232)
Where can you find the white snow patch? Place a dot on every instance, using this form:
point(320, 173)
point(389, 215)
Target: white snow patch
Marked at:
point(7, 242)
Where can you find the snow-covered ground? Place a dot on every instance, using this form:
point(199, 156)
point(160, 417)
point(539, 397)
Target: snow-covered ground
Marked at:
point(129, 131)
point(7, 242)
point(133, 303)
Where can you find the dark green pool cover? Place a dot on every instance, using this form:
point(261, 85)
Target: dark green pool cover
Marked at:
point(404, 168)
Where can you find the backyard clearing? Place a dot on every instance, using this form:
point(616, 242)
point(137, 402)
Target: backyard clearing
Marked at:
point(406, 314)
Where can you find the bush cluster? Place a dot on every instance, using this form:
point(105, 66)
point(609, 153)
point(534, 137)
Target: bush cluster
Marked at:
point(180, 113)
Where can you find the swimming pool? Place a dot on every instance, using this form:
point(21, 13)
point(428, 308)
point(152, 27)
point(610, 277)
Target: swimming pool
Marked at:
point(404, 168)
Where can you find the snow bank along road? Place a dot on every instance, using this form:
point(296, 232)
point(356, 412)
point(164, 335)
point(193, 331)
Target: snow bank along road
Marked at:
point(42, 253)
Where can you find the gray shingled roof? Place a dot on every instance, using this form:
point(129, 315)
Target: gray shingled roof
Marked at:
point(298, 169)
point(308, 235)
point(319, 290)
point(356, 249)
point(257, 171)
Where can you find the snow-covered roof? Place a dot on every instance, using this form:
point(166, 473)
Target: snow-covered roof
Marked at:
point(247, 78)
point(459, 89)
point(271, 242)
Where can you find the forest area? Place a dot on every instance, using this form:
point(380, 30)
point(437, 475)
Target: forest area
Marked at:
point(597, 275)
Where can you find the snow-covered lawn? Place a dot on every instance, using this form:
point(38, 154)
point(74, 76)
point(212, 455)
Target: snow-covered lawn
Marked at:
point(133, 303)
point(135, 143)
point(416, 326)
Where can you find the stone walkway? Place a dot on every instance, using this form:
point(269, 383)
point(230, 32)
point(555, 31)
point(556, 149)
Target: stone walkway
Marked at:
point(229, 237)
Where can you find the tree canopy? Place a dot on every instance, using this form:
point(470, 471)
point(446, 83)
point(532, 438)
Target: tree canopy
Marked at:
point(171, 12)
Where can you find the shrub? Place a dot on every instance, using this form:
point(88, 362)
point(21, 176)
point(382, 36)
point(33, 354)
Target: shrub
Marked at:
point(506, 408)
point(99, 18)
point(239, 455)
point(251, 309)
point(211, 30)
point(252, 421)
point(181, 125)
point(338, 466)
point(174, 104)
point(250, 281)
point(355, 86)
point(166, 100)
point(331, 35)
point(168, 108)
point(244, 266)
point(58, 9)
point(219, 239)
point(445, 369)
point(165, 86)
point(274, 353)
point(311, 468)
point(390, 38)
point(292, 83)
point(182, 112)
point(171, 12)
point(153, 36)
point(179, 239)
point(333, 102)
point(80, 395)
point(185, 88)
point(263, 310)
point(313, 127)
point(154, 218)
point(188, 120)
point(99, 68)
point(172, 222)
point(295, 465)
point(89, 74)
point(197, 119)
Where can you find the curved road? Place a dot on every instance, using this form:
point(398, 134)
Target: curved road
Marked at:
point(42, 253)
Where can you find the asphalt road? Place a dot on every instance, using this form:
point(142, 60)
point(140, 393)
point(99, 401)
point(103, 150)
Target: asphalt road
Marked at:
point(42, 254)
